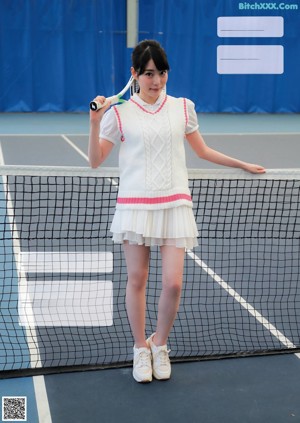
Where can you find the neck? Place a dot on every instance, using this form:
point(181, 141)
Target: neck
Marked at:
point(148, 99)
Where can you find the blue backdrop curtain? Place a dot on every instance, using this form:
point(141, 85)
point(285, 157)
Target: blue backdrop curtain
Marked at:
point(56, 55)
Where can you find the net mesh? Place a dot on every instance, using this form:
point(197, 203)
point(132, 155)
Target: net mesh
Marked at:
point(63, 281)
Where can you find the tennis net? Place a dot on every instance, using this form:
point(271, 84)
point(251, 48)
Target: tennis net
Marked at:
point(63, 281)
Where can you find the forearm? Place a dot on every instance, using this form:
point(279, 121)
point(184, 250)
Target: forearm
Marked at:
point(97, 152)
point(94, 150)
point(221, 159)
point(204, 152)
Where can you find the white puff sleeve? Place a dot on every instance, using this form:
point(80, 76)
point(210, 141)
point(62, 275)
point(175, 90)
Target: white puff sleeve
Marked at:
point(109, 127)
point(192, 123)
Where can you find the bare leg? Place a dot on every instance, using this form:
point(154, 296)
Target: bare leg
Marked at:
point(137, 260)
point(172, 270)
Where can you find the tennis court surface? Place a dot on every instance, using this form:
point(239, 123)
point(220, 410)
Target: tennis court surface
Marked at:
point(64, 284)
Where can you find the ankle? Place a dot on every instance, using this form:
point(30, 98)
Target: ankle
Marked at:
point(158, 342)
point(141, 344)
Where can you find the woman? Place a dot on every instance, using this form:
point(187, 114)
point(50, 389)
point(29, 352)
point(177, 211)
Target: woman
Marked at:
point(154, 205)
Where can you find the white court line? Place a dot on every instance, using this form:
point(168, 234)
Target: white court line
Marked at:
point(77, 149)
point(251, 310)
point(38, 381)
point(42, 399)
point(82, 154)
point(31, 335)
point(202, 132)
point(250, 133)
point(44, 134)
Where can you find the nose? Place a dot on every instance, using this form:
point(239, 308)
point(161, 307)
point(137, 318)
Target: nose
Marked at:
point(156, 79)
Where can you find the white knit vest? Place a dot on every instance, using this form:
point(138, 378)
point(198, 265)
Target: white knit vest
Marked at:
point(153, 173)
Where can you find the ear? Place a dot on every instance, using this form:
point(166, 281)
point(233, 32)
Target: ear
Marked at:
point(134, 73)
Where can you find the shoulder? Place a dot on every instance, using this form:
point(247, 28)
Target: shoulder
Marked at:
point(108, 117)
point(174, 100)
point(181, 101)
point(189, 105)
point(121, 108)
point(187, 101)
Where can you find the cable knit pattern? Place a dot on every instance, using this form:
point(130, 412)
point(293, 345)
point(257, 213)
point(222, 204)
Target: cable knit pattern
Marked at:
point(152, 157)
point(158, 150)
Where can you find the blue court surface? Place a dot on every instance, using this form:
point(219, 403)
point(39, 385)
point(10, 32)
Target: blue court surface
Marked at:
point(251, 389)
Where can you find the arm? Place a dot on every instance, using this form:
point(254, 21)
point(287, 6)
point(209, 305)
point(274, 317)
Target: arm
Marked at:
point(98, 149)
point(204, 152)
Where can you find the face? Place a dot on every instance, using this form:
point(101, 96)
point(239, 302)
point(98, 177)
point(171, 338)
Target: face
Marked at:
point(151, 82)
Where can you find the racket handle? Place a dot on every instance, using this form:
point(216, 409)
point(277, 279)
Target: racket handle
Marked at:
point(95, 105)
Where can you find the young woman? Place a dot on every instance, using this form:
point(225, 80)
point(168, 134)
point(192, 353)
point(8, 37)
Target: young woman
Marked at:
point(154, 205)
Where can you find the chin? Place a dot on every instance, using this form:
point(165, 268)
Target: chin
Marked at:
point(155, 92)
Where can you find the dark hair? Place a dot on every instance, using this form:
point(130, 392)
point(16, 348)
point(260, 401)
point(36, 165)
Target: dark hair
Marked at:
point(147, 50)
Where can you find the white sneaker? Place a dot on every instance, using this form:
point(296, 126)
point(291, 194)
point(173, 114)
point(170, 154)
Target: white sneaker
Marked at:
point(160, 360)
point(142, 364)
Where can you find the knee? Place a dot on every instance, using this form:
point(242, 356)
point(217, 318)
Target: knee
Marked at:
point(137, 279)
point(173, 286)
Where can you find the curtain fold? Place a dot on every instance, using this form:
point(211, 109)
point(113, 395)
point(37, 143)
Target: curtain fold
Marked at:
point(57, 55)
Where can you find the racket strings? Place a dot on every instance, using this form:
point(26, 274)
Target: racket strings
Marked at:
point(134, 88)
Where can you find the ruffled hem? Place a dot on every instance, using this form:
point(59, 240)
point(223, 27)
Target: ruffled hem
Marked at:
point(174, 226)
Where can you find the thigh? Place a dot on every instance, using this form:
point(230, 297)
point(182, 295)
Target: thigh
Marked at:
point(172, 262)
point(137, 259)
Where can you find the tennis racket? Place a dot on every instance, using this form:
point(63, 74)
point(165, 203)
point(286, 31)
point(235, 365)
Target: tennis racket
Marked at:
point(117, 98)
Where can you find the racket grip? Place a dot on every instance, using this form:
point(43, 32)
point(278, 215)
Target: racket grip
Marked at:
point(95, 105)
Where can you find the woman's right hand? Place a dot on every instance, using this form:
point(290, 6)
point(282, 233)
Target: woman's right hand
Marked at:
point(96, 116)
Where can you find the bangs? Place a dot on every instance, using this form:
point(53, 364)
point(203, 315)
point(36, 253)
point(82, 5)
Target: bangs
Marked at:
point(159, 60)
point(147, 50)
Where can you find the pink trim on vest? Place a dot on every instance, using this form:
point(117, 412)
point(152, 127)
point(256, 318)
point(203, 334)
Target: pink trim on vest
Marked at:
point(185, 112)
point(119, 123)
point(154, 200)
point(147, 111)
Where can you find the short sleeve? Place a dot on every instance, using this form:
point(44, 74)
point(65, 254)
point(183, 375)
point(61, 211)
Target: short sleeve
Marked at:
point(109, 128)
point(192, 119)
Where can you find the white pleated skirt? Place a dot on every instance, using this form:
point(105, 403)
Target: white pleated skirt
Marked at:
point(174, 226)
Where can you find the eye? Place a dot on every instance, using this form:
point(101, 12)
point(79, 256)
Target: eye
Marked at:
point(163, 73)
point(149, 74)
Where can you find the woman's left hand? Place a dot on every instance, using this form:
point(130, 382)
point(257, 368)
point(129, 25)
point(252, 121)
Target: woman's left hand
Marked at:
point(253, 168)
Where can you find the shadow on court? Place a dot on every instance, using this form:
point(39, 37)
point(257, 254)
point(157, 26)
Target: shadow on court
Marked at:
point(256, 389)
